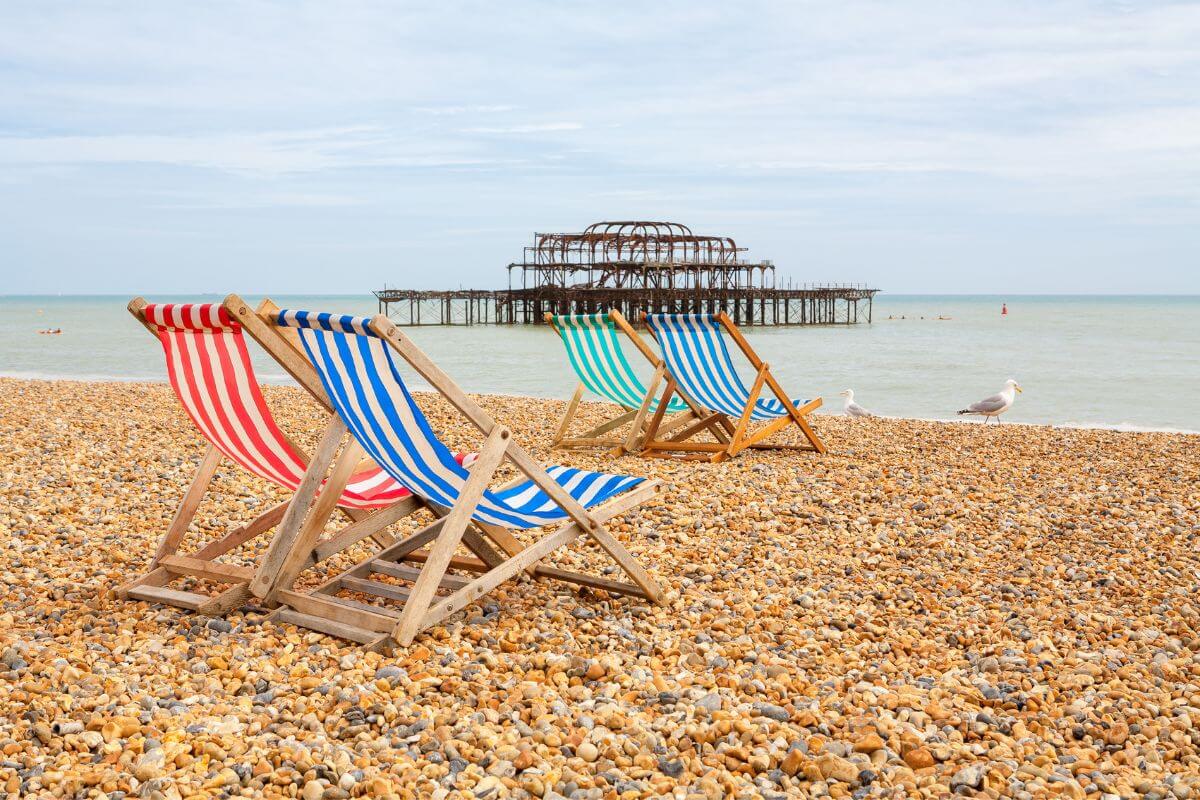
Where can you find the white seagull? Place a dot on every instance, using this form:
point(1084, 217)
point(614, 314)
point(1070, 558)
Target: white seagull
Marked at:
point(997, 404)
point(852, 408)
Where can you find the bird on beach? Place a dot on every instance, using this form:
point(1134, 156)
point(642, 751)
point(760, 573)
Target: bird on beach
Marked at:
point(852, 408)
point(997, 404)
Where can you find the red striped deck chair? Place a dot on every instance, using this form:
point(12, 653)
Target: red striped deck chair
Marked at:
point(210, 371)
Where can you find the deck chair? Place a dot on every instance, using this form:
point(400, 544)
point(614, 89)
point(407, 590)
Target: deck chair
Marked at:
point(209, 368)
point(594, 350)
point(700, 368)
point(354, 357)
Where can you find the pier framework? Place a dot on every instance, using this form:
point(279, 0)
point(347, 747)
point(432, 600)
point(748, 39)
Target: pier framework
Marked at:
point(634, 267)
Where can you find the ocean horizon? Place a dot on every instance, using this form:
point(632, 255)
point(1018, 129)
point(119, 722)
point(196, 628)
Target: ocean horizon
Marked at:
point(1121, 361)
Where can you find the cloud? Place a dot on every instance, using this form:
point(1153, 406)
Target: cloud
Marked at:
point(266, 153)
point(423, 118)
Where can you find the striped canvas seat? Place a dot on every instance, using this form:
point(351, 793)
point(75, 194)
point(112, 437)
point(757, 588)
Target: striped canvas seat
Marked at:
point(361, 379)
point(597, 358)
point(697, 357)
point(209, 369)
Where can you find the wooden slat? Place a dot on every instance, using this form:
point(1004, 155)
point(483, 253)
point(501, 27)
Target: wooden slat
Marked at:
point(481, 547)
point(209, 570)
point(587, 442)
point(707, 447)
point(376, 588)
point(796, 414)
point(591, 581)
point(385, 610)
point(456, 562)
point(172, 597)
point(326, 626)
point(336, 610)
point(411, 573)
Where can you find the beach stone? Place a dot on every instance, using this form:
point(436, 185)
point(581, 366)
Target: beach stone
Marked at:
point(793, 762)
point(1034, 620)
point(770, 711)
point(969, 777)
point(388, 672)
point(837, 768)
point(869, 744)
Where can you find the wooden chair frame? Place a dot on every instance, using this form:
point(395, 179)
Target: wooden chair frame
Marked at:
point(379, 627)
point(636, 418)
point(248, 583)
point(733, 435)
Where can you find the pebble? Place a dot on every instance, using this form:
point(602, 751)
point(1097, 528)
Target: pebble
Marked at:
point(927, 609)
point(770, 711)
point(969, 777)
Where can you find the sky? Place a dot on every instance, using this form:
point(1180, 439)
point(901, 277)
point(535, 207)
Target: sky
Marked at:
point(984, 147)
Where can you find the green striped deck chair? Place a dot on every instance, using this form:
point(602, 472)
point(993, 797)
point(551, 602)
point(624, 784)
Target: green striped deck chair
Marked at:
point(594, 349)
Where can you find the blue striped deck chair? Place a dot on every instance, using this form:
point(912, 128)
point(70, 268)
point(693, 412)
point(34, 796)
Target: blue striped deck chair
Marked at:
point(699, 367)
point(354, 357)
point(594, 349)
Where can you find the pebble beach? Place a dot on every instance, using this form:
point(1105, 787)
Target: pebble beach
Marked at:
point(929, 610)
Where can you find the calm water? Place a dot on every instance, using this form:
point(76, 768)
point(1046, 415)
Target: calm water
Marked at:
point(1110, 361)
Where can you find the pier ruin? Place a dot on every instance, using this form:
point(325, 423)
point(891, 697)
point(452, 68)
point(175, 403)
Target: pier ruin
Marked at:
point(634, 267)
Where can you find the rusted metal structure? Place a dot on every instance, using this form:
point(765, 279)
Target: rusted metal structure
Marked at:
point(635, 267)
point(453, 307)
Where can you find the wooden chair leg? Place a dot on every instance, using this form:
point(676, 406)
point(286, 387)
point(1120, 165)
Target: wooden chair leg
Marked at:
point(155, 577)
point(659, 413)
point(187, 507)
point(809, 433)
point(568, 416)
point(739, 431)
point(301, 551)
point(454, 525)
point(229, 600)
point(239, 536)
point(302, 500)
point(633, 441)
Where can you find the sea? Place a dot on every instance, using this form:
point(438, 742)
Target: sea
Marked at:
point(1124, 362)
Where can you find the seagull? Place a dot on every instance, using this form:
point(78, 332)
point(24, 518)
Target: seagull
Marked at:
point(852, 408)
point(995, 405)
